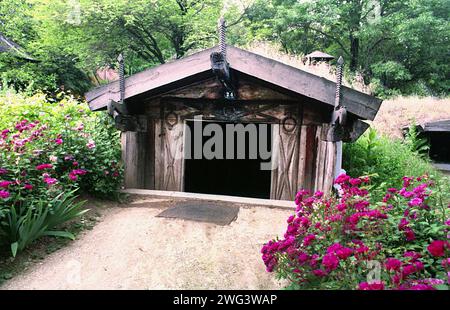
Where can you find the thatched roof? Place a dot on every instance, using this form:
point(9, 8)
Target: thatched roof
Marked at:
point(396, 114)
point(319, 54)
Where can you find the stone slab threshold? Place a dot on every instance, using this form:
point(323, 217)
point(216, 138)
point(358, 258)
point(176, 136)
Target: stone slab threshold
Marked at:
point(285, 204)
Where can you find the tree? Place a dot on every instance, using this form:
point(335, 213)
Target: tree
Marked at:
point(376, 36)
point(148, 31)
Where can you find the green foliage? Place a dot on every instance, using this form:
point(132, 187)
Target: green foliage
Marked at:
point(399, 45)
point(26, 223)
point(417, 145)
point(50, 149)
point(386, 160)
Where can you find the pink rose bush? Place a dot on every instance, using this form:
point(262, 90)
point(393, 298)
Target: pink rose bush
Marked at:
point(57, 148)
point(340, 242)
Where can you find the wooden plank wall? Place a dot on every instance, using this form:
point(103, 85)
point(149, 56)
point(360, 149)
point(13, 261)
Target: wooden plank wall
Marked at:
point(324, 164)
point(301, 160)
point(138, 158)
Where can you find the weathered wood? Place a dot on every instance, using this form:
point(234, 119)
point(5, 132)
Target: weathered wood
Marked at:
point(324, 164)
point(357, 128)
point(213, 89)
point(188, 70)
point(285, 161)
point(302, 82)
point(151, 79)
point(169, 156)
point(443, 125)
point(137, 159)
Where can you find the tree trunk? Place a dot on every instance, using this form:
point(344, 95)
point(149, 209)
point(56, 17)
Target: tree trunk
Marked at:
point(354, 52)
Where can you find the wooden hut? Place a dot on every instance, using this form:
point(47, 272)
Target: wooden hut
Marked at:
point(154, 109)
point(318, 56)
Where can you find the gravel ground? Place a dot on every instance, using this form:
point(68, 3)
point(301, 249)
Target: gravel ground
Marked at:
point(130, 248)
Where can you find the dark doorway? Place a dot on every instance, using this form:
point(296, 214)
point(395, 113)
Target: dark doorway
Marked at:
point(234, 177)
point(439, 145)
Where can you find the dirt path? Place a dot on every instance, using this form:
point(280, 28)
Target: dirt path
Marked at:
point(132, 249)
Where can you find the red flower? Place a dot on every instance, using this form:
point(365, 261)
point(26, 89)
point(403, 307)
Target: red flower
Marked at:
point(5, 184)
point(330, 262)
point(4, 194)
point(44, 166)
point(437, 248)
point(393, 264)
point(374, 286)
point(319, 273)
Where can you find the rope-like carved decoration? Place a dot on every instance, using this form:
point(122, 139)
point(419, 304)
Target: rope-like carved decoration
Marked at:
point(121, 60)
point(222, 37)
point(340, 66)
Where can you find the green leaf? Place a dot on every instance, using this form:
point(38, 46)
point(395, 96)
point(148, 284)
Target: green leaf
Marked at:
point(14, 247)
point(62, 234)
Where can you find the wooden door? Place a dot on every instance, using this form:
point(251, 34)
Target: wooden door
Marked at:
point(285, 159)
point(169, 154)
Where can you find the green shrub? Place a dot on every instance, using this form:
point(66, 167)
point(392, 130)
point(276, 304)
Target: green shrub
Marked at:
point(48, 151)
point(386, 160)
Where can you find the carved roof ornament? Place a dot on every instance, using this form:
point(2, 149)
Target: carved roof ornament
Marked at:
point(219, 63)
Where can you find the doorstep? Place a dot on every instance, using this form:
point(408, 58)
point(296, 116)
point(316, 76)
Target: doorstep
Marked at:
point(285, 204)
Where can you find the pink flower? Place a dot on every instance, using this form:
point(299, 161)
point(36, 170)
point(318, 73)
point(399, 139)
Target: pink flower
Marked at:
point(437, 248)
point(4, 194)
point(50, 181)
point(308, 239)
point(403, 192)
point(393, 264)
point(403, 224)
point(44, 166)
point(422, 287)
point(59, 141)
point(318, 194)
point(408, 269)
point(28, 186)
point(374, 286)
point(303, 257)
point(414, 256)
point(407, 181)
point(90, 144)
point(344, 253)
point(319, 273)
point(330, 262)
point(79, 172)
point(342, 178)
point(3, 171)
point(409, 234)
point(445, 263)
point(73, 177)
point(5, 184)
point(355, 182)
point(415, 202)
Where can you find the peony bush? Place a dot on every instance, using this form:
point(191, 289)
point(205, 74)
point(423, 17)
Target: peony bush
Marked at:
point(351, 242)
point(49, 152)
